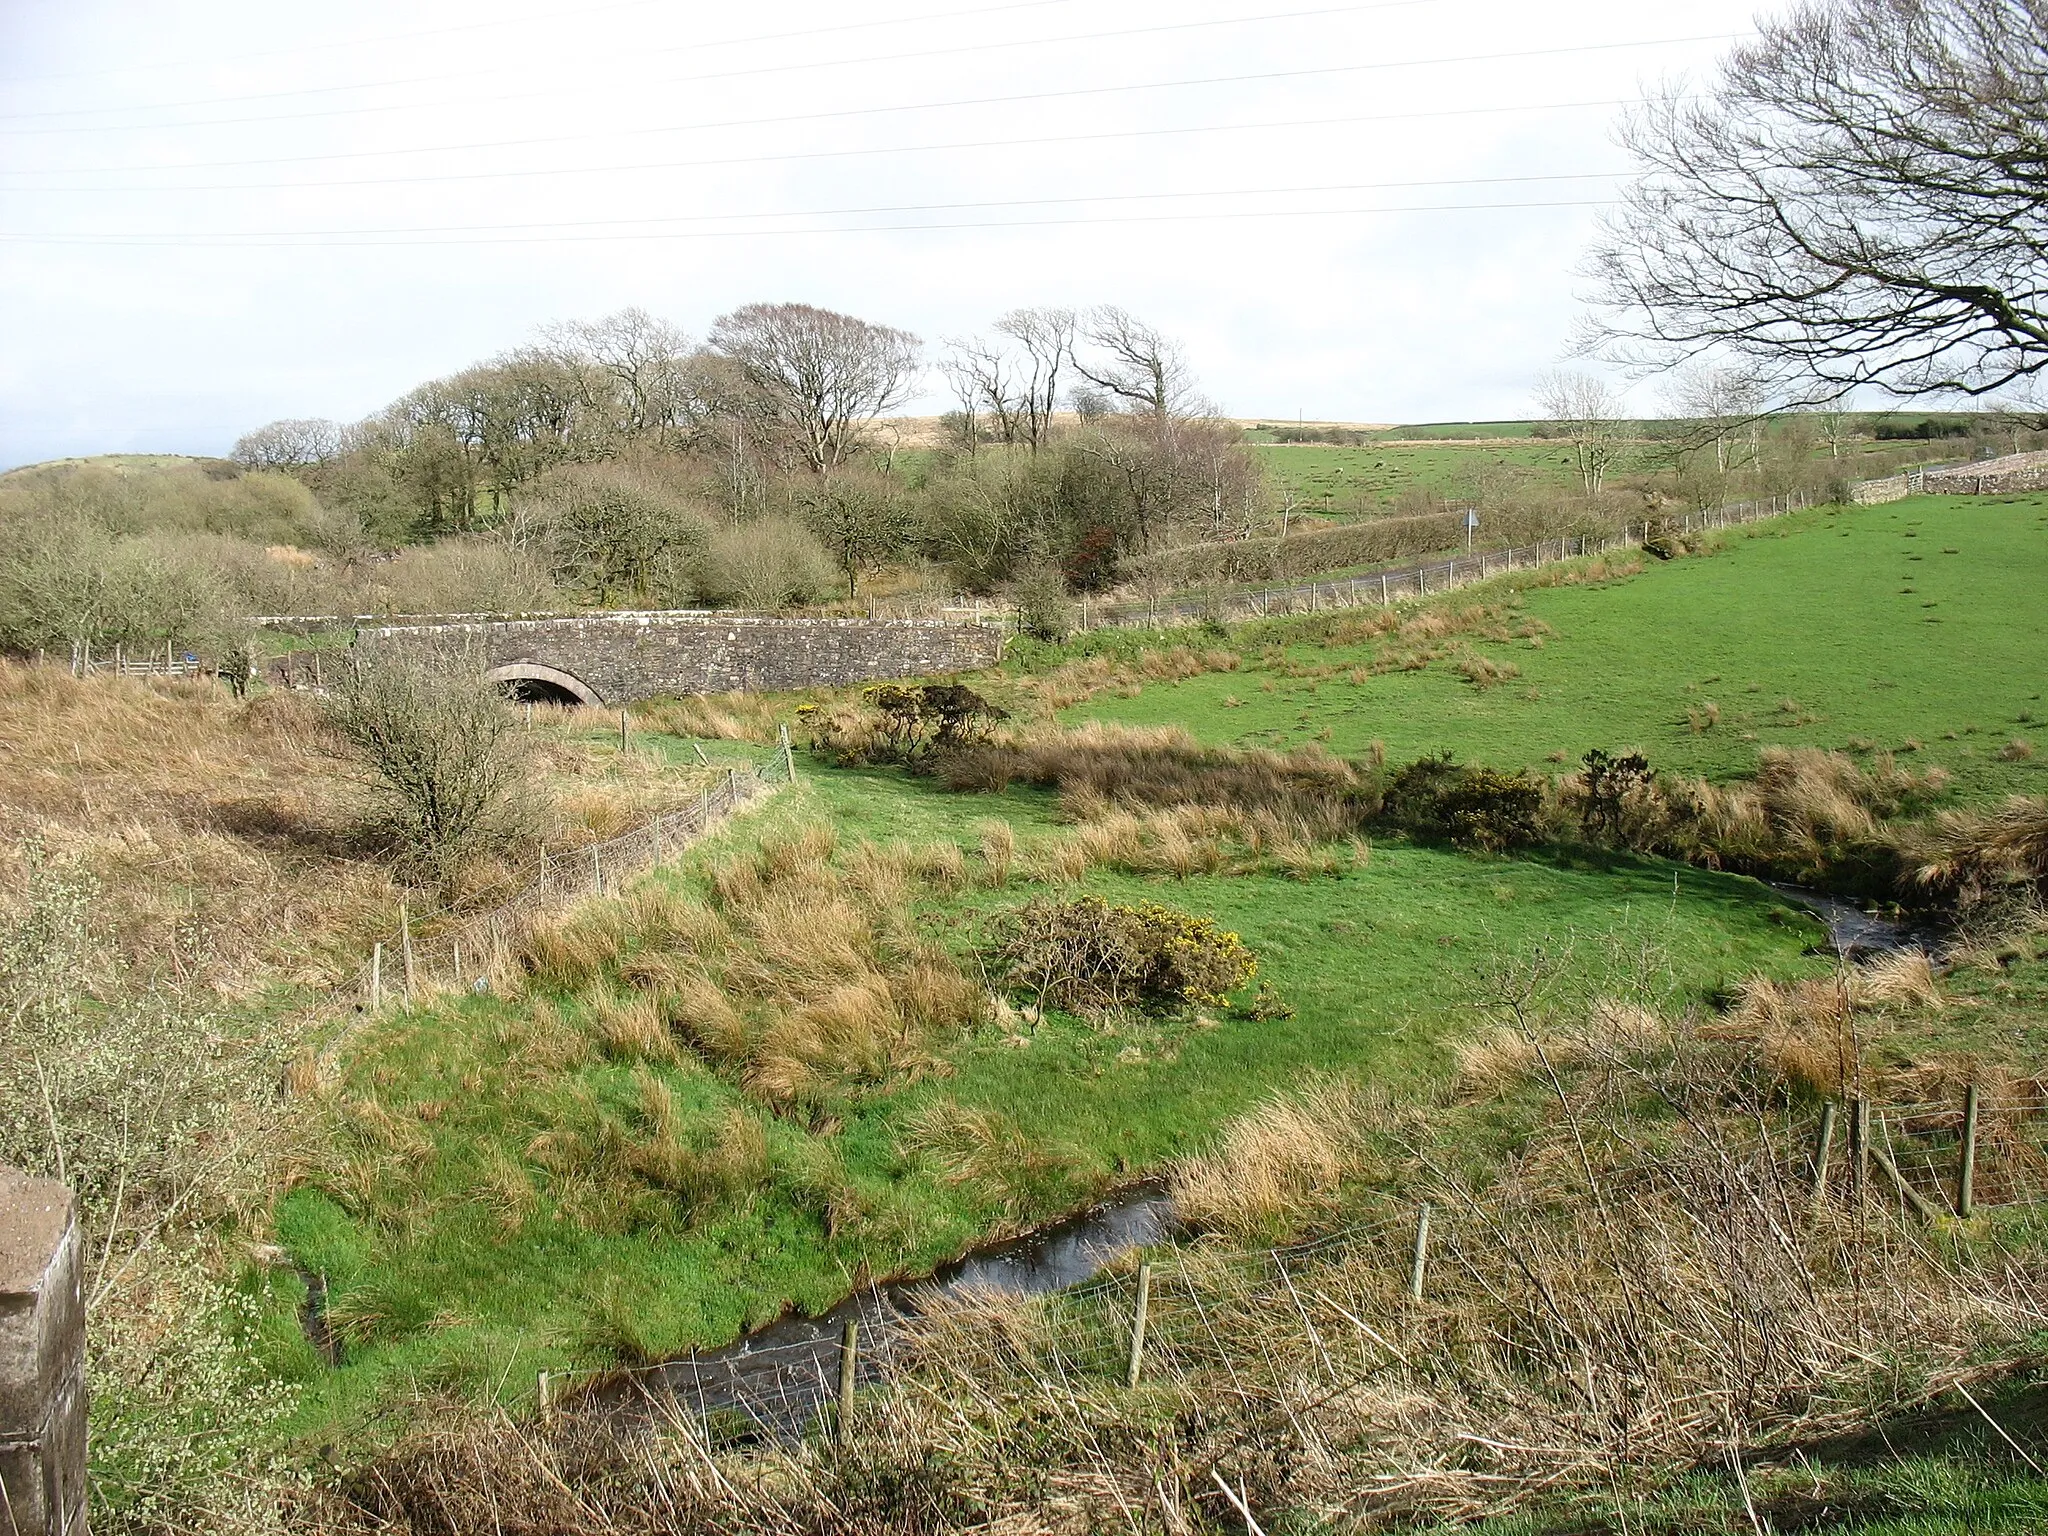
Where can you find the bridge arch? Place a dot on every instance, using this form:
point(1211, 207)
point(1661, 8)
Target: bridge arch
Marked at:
point(529, 682)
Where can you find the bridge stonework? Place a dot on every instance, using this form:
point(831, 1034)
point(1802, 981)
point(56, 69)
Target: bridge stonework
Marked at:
point(618, 657)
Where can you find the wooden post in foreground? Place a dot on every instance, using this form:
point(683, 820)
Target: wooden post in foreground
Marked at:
point(622, 731)
point(1138, 1317)
point(1859, 1144)
point(1823, 1144)
point(1966, 1166)
point(405, 938)
point(1418, 1261)
point(1922, 1206)
point(377, 976)
point(849, 1366)
point(788, 757)
point(546, 1393)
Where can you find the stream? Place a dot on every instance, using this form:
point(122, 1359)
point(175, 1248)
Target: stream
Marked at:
point(1853, 932)
point(780, 1375)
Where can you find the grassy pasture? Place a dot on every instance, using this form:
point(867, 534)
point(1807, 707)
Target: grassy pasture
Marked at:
point(1914, 627)
point(445, 1269)
point(1355, 482)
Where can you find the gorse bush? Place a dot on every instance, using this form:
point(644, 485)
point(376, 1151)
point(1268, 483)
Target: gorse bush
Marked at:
point(912, 726)
point(1089, 954)
point(1470, 806)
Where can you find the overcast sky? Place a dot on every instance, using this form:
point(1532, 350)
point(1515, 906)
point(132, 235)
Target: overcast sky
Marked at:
point(220, 212)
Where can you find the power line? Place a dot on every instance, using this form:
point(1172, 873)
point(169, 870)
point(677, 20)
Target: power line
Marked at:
point(1015, 98)
point(723, 74)
point(817, 154)
point(239, 236)
point(844, 229)
point(578, 12)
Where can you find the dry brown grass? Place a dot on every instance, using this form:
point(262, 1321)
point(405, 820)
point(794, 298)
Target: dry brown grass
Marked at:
point(1280, 1162)
point(227, 837)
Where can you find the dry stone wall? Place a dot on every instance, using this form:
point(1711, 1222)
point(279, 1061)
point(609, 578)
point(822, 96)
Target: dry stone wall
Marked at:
point(618, 657)
point(1991, 477)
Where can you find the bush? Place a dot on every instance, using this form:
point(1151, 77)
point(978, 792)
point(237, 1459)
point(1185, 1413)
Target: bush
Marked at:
point(1472, 807)
point(1087, 954)
point(1044, 610)
point(909, 726)
point(437, 746)
point(772, 562)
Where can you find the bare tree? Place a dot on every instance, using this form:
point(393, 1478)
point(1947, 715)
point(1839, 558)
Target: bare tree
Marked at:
point(1723, 409)
point(979, 371)
point(1133, 363)
point(1860, 198)
point(1833, 428)
point(632, 366)
point(1046, 337)
point(1589, 413)
point(291, 444)
point(817, 375)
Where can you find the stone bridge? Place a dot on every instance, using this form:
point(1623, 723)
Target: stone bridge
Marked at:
point(612, 658)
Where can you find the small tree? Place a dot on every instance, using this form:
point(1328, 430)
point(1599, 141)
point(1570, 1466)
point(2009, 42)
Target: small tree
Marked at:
point(1588, 416)
point(858, 519)
point(435, 745)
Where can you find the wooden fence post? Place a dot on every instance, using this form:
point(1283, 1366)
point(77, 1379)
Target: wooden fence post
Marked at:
point(1823, 1144)
point(849, 1365)
point(377, 976)
point(1418, 1260)
point(405, 938)
point(596, 871)
point(622, 731)
point(1859, 1144)
point(1137, 1362)
point(546, 1393)
point(788, 756)
point(1966, 1165)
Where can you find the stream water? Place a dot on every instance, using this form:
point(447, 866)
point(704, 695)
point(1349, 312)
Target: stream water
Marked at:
point(1853, 932)
point(780, 1375)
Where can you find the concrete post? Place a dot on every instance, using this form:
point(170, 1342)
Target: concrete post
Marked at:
point(42, 1361)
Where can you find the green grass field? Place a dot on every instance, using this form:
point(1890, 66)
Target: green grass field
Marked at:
point(1366, 481)
point(439, 1285)
point(458, 1263)
point(1872, 629)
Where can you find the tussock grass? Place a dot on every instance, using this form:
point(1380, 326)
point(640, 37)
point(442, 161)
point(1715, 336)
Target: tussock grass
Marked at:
point(1279, 1164)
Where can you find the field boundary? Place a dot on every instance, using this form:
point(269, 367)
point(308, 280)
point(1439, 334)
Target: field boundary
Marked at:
point(477, 952)
point(1423, 579)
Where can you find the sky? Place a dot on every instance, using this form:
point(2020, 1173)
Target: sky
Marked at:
point(216, 213)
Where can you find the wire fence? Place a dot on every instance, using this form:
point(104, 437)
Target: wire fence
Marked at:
point(478, 953)
point(1903, 1165)
point(1424, 579)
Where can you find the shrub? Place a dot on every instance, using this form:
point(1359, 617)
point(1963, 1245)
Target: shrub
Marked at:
point(769, 563)
point(438, 749)
point(1473, 807)
point(1089, 954)
point(1044, 611)
point(907, 725)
